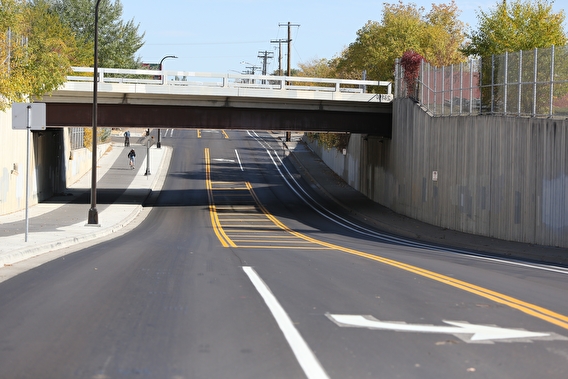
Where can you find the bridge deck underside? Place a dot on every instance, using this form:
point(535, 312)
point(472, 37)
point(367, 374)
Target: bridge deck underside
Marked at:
point(191, 117)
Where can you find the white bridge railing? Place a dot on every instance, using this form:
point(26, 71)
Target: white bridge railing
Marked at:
point(204, 83)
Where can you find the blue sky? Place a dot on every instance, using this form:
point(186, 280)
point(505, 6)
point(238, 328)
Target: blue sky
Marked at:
point(217, 35)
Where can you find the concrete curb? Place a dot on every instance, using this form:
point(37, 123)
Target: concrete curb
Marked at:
point(42, 248)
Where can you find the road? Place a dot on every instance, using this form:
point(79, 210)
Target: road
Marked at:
point(242, 270)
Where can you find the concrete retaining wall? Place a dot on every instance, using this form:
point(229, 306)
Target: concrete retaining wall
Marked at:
point(78, 162)
point(13, 167)
point(52, 166)
point(503, 177)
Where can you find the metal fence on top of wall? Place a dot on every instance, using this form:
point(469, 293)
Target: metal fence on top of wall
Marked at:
point(531, 83)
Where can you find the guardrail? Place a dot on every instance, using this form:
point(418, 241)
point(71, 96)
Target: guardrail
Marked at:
point(185, 79)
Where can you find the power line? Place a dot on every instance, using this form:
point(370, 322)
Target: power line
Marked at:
point(202, 43)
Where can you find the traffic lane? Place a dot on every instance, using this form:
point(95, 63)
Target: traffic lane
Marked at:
point(287, 206)
point(336, 225)
point(543, 286)
point(312, 284)
point(164, 300)
point(152, 306)
point(521, 287)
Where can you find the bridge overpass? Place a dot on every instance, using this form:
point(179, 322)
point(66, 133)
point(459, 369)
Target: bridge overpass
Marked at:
point(180, 99)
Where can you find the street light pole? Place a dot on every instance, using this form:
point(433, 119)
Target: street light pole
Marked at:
point(159, 143)
point(93, 218)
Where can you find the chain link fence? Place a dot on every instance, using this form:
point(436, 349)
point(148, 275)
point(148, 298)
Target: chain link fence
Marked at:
point(530, 83)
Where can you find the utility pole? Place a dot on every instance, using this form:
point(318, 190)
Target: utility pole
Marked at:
point(289, 68)
point(279, 42)
point(265, 56)
point(289, 41)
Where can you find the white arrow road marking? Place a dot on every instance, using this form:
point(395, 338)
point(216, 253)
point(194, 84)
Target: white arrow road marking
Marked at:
point(463, 330)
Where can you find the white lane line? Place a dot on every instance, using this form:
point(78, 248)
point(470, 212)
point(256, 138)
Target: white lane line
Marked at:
point(239, 159)
point(308, 361)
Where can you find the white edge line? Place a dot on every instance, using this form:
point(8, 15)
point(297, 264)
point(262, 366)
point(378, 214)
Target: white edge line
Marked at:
point(306, 358)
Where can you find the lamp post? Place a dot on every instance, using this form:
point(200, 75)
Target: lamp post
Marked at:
point(93, 218)
point(159, 143)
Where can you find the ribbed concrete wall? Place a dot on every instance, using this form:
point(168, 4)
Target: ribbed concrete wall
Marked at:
point(502, 177)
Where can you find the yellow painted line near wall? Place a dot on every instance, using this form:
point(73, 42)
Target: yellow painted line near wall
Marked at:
point(225, 134)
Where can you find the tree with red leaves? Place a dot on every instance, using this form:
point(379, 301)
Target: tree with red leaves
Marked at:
point(410, 63)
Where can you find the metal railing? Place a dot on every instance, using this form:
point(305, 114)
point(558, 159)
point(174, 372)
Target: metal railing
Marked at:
point(181, 79)
point(530, 83)
point(76, 138)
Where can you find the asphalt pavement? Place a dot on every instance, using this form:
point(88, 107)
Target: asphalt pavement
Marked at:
point(62, 220)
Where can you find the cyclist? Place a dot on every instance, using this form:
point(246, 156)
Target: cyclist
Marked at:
point(132, 158)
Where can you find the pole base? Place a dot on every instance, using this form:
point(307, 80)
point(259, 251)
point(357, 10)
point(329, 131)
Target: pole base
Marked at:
point(93, 218)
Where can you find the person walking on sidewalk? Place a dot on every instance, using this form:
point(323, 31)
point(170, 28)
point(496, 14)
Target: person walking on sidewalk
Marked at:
point(132, 158)
point(127, 138)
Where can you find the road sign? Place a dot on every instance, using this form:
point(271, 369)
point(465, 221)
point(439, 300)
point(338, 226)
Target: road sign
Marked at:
point(37, 119)
point(471, 333)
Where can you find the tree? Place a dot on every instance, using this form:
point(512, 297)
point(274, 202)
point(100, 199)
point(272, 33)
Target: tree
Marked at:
point(118, 40)
point(410, 63)
point(436, 36)
point(444, 35)
point(516, 25)
point(511, 27)
point(36, 51)
point(316, 68)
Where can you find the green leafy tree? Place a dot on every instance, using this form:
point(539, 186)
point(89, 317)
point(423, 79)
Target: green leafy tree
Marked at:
point(516, 25)
point(511, 27)
point(436, 35)
point(118, 40)
point(316, 68)
point(444, 35)
point(36, 51)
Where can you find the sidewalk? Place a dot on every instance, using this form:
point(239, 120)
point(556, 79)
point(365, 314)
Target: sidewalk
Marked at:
point(62, 220)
